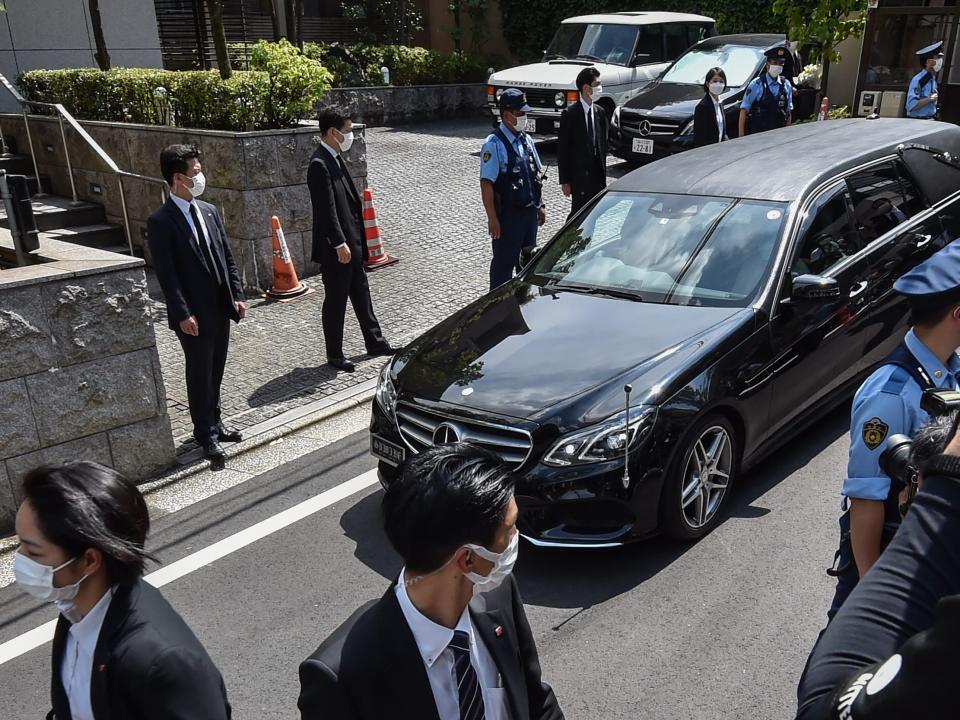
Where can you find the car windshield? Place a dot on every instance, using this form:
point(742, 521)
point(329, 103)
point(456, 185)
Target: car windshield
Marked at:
point(601, 43)
point(738, 62)
point(672, 249)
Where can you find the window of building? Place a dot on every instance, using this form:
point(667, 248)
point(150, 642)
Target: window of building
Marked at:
point(893, 42)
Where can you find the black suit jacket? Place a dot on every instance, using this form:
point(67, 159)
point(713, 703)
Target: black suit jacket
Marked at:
point(148, 665)
point(187, 286)
point(370, 667)
point(337, 210)
point(576, 165)
point(705, 130)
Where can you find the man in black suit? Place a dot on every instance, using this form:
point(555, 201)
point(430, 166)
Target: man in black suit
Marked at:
point(582, 148)
point(449, 640)
point(120, 652)
point(339, 246)
point(200, 282)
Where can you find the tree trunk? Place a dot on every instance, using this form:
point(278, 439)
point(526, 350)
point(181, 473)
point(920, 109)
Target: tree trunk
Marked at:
point(290, 13)
point(275, 20)
point(102, 56)
point(215, 9)
point(457, 27)
point(299, 5)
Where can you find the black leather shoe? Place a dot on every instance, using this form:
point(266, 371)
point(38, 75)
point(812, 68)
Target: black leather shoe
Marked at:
point(342, 364)
point(383, 351)
point(231, 436)
point(214, 453)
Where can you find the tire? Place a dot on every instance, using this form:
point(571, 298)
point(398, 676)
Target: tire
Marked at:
point(691, 501)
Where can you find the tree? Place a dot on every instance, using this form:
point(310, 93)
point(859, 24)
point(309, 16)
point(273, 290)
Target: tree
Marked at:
point(215, 10)
point(824, 24)
point(102, 56)
point(275, 20)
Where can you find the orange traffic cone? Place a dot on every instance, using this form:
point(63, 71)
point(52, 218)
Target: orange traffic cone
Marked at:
point(286, 285)
point(376, 254)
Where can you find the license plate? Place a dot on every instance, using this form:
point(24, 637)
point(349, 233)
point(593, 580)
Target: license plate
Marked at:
point(643, 146)
point(386, 450)
point(531, 125)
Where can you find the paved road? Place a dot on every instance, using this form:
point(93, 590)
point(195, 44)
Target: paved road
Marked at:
point(718, 629)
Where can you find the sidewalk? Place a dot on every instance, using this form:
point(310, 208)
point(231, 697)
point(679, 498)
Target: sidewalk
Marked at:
point(426, 190)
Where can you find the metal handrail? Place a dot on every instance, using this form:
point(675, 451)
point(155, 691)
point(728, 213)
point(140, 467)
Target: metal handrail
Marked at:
point(63, 114)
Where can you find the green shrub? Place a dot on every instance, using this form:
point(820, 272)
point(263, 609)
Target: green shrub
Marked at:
point(296, 81)
point(408, 65)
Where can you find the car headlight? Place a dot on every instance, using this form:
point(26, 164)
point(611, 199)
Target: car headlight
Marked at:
point(560, 99)
point(687, 129)
point(498, 94)
point(386, 392)
point(605, 441)
point(615, 120)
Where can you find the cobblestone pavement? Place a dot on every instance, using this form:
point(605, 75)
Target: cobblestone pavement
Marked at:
point(426, 191)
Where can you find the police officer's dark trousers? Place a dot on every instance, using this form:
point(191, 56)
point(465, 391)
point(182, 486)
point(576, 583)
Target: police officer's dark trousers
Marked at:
point(518, 229)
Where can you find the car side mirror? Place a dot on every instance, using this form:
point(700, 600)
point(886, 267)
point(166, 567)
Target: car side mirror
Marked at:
point(526, 254)
point(814, 288)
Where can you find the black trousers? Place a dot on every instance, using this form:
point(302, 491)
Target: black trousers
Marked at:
point(582, 192)
point(205, 357)
point(340, 283)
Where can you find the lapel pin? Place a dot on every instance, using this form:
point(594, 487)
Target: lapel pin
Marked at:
point(499, 631)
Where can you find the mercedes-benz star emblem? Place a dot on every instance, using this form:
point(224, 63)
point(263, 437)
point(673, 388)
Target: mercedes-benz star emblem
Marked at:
point(447, 433)
point(644, 127)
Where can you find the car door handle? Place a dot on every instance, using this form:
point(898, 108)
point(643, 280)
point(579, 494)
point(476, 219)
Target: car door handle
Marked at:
point(920, 240)
point(859, 288)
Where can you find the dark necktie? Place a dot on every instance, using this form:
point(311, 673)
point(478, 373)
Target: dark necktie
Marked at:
point(212, 267)
point(346, 176)
point(468, 686)
point(593, 138)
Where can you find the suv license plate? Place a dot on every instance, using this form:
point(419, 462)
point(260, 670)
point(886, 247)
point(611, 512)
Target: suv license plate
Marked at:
point(643, 146)
point(531, 125)
point(386, 450)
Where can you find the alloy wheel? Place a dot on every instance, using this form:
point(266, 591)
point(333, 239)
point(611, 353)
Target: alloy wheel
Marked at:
point(706, 476)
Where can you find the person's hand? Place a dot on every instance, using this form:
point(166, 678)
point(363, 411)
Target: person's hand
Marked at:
point(934, 97)
point(493, 227)
point(343, 254)
point(541, 216)
point(566, 189)
point(241, 309)
point(190, 326)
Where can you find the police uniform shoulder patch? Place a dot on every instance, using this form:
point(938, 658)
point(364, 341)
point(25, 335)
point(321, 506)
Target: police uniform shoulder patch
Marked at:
point(487, 156)
point(874, 432)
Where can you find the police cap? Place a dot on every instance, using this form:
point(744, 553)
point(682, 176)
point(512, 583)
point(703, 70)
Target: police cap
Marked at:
point(930, 51)
point(936, 279)
point(513, 99)
point(777, 52)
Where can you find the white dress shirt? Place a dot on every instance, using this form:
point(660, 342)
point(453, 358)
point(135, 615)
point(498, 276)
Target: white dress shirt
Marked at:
point(433, 641)
point(721, 119)
point(185, 209)
point(76, 669)
point(335, 156)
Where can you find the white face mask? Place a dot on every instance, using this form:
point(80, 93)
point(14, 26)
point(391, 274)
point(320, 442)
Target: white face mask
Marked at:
point(36, 580)
point(502, 565)
point(775, 70)
point(199, 185)
point(717, 88)
point(594, 91)
point(347, 141)
point(938, 65)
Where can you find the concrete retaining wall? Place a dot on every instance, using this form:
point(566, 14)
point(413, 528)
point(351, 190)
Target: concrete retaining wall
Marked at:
point(377, 106)
point(80, 378)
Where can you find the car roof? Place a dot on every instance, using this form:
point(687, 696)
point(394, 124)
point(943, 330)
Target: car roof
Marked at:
point(638, 18)
point(763, 40)
point(781, 164)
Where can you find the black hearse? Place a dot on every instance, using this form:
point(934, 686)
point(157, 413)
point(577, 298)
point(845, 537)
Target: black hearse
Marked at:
point(736, 303)
point(658, 121)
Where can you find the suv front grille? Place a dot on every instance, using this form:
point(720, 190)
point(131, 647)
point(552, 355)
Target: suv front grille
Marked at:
point(542, 99)
point(421, 429)
point(656, 127)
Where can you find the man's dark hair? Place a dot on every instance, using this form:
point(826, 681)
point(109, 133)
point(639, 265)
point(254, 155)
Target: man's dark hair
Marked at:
point(445, 497)
point(931, 312)
point(84, 505)
point(173, 160)
point(711, 74)
point(931, 439)
point(586, 77)
point(329, 119)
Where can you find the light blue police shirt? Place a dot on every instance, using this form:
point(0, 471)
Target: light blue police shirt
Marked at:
point(915, 94)
point(493, 155)
point(883, 407)
point(755, 91)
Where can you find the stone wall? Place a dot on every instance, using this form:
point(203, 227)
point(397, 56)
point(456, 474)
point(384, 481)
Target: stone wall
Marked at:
point(250, 177)
point(376, 106)
point(80, 377)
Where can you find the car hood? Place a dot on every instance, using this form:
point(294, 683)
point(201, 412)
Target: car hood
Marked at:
point(666, 100)
point(560, 74)
point(521, 349)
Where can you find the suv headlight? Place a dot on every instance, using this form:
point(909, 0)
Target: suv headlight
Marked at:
point(560, 99)
point(687, 129)
point(605, 441)
point(386, 392)
point(498, 93)
point(615, 120)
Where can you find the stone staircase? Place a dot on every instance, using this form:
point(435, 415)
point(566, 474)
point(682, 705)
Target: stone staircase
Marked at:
point(59, 218)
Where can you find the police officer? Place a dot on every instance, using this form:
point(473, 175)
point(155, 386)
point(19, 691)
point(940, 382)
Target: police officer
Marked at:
point(888, 403)
point(923, 93)
point(768, 102)
point(511, 182)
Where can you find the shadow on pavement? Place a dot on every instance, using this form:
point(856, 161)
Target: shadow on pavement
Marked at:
point(362, 523)
point(298, 382)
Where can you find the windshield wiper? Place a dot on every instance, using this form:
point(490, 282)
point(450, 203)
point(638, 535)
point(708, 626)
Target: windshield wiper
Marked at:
point(591, 57)
point(608, 292)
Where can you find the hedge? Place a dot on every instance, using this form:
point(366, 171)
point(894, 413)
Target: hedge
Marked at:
point(275, 97)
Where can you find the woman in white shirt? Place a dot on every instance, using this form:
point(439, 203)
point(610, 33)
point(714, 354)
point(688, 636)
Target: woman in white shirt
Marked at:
point(709, 121)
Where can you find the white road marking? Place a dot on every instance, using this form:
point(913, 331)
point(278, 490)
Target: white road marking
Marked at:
point(184, 566)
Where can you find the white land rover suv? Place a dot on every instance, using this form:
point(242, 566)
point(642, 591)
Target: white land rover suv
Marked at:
point(630, 49)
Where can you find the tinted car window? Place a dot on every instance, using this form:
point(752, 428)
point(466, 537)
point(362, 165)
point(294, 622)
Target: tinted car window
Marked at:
point(604, 43)
point(674, 40)
point(879, 200)
point(649, 48)
point(673, 249)
point(826, 235)
point(696, 33)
